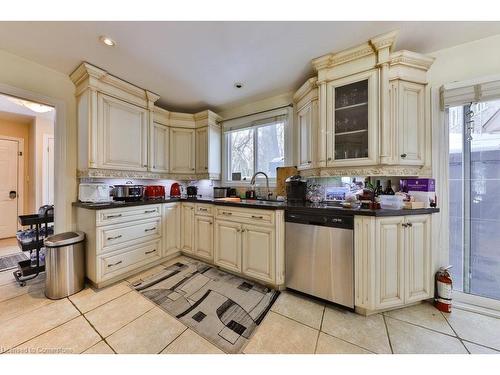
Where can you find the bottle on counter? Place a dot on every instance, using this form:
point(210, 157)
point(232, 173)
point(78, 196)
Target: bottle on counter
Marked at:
point(378, 189)
point(388, 190)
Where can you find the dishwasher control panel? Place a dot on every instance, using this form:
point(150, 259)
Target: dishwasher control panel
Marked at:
point(321, 219)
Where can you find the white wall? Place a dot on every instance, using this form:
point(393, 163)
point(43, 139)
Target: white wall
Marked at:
point(17, 72)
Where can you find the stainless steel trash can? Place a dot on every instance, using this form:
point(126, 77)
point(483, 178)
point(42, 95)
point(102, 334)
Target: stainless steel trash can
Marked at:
point(64, 264)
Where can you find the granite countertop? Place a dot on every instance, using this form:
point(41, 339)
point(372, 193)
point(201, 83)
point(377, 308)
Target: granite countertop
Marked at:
point(267, 205)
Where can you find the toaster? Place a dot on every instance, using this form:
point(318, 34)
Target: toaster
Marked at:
point(94, 193)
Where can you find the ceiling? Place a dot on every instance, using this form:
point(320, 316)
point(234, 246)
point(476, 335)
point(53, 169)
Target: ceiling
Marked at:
point(194, 65)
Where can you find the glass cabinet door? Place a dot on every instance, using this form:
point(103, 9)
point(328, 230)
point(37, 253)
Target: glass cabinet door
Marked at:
point(351, 121)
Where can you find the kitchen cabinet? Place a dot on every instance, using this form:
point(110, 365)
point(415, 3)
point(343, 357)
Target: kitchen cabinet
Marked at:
point(258, 252)
point(305, 123)
point(122, 134)
point(227, 252)
point(159, 145)
point(393, 265)
point(182, 150)
point(352, 120)
point(171, 228)
point(204, 237)
point(187, 228)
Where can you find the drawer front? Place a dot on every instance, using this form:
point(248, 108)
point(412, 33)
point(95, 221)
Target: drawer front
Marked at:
point(246, 215)
point(110, 237)
point(125, 260)
point(204, 209)
point(121, 215)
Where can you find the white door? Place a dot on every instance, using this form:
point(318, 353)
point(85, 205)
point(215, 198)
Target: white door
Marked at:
point(171, 232)
point(304, 118)
point(8, 187)
point(159, 148)
point(123, 139)
point(227, 246)
point(48, 171)
point(204, 237)
point(389, 262)
point(182, 150)
point(202, 150)
point(418, 273)
point(411, 123)
point(258, 251)
point(187, 230)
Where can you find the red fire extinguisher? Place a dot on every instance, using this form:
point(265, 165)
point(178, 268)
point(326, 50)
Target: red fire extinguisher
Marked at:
point(444, 285)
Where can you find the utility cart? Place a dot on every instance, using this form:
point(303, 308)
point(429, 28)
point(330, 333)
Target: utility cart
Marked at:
point(38, 223)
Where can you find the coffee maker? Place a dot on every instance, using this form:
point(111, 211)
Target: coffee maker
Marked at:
point(296, 188)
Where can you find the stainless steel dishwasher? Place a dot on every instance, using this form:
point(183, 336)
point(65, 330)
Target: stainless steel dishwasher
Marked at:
point(319, 252)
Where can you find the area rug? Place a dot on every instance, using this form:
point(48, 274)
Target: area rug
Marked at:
point(9, 262)
point(223, 308)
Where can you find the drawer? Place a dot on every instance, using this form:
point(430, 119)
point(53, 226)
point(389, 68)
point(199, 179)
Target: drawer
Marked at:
point(121, 215)
point(204, 209)
point(109, 237)
point(245, 215)
point(125, 260)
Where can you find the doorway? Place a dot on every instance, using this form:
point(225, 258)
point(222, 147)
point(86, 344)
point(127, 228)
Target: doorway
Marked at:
point(474, 183)
point(9, 186)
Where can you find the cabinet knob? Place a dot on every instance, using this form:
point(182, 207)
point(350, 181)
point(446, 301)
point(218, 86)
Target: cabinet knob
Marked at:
point(144, 165)
point(192, 169)
point(309, 161)
point(329, 159)
point(404, 225)
point(409, 224)
point(206, 168)
point(404, 155)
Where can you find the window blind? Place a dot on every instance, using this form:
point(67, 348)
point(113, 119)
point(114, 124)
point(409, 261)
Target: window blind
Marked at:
point(460, 93)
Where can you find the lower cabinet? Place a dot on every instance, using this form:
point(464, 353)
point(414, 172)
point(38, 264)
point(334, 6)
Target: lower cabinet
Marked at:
point(171, 228)
point(395, 269)
point(258, 252)
point(187, 228)
point(204, 237)
point(228, 245)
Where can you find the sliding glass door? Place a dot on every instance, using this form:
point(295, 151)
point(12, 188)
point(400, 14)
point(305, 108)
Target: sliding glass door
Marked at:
point(474, 201)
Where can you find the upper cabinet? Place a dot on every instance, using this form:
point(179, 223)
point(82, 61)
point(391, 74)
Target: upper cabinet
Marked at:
point(365, 112)
point(121, 133)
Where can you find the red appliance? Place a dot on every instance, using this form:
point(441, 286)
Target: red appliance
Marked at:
point(175, 190)
point(154, 192)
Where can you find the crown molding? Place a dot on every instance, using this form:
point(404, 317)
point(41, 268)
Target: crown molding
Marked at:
point(333, 59)
point(308, 86)
point(386, 40)
point(411, 59)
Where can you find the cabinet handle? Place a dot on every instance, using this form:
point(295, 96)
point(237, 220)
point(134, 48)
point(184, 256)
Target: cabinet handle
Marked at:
point(404, 225)
point(227, 213)
point(149, 211)
point(149, 229)
point(203, 209)
point(238, 230)
point(149, 252)
point(154, 166)
point(112, 216)
point(257, 217)
point(192, 169)
point(404, 155)
point(206, 168)
point(114, 238)
point(115, 264)
point(309, 161)
point(409, 224)
point(144, 165)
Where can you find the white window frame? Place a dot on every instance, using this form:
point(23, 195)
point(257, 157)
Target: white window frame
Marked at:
point(246, 123)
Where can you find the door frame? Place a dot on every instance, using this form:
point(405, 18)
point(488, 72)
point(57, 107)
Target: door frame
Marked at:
point(62, 197)
point(20, 172)
point(45, 167)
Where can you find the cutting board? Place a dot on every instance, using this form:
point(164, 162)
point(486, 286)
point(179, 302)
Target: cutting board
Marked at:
point(282, 173)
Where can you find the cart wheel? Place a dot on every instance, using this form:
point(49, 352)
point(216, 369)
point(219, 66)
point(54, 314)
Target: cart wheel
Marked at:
point(22, 283)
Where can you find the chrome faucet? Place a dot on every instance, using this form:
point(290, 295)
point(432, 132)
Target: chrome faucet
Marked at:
point(252, 182)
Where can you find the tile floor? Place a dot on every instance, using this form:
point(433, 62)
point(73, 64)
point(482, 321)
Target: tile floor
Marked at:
point(117, 319)
point(8, 246)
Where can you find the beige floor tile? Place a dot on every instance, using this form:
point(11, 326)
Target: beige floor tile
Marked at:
point(478, 349)
point(368, 332)
point(407, 338)
point(31, 325)
point(112, 316)
point(90, 298)
point(150, 333)
point(23, 304)
point(480, 329)
point(72, 337)
point(331, 345)
point(145, 274)
point(6, 277)
point(424, 315)
point(191, 343)
point(100, 348)
point(302, 309)
point(280, 335)
point(12, 289)
point(9, 246)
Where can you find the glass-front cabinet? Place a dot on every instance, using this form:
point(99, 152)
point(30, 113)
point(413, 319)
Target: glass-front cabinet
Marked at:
point(352, 120)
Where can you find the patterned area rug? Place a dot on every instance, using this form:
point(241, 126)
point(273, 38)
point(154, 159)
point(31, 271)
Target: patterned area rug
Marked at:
point(9, 262)
point(223, 308)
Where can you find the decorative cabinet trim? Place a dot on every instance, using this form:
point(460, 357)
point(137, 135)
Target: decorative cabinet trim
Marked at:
point(378, 170)
point(145, 175)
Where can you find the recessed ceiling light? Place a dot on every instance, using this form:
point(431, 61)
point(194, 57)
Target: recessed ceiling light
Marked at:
point(238, 85)
point(107, 41)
